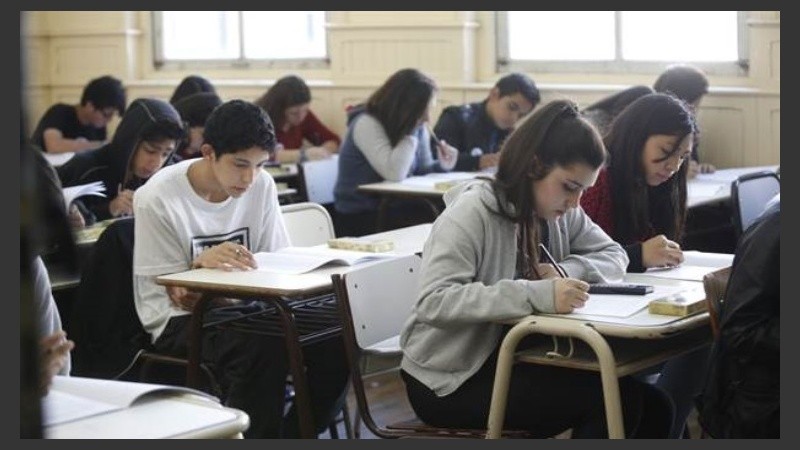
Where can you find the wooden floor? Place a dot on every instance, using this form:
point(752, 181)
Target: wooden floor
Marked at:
point(390, 404)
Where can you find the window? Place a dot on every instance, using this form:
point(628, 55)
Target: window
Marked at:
point(621, 41)
point(239, 38)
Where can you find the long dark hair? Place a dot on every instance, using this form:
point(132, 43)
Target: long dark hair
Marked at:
point(555, 135)
point(400, 102)
point(654, 114)
point(288, 91)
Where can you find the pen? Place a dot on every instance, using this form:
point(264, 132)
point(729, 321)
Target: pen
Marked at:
point(430, 130)
point(550, 258)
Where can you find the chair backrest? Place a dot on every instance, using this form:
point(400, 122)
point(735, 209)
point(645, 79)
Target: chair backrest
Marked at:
point(319, 178)
point(715, 283)
point(308, 224)
point(380, 297)
point(749, 195)
point(105, 326)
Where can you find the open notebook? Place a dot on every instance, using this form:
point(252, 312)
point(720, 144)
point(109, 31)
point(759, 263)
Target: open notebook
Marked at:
point(695, 265)
point(296, 260)
point(73, 398)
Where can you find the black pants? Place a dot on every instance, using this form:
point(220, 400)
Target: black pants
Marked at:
point(252, 371)
point(545, 401)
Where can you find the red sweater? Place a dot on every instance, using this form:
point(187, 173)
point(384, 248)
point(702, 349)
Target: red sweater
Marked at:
point(311, 129)
point(598, 203)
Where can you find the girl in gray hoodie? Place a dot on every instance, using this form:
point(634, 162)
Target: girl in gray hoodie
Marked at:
point(481, 266)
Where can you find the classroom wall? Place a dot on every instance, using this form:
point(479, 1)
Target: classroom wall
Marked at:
point(739, 119)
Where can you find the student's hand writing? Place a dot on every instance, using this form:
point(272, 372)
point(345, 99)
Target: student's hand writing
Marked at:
point(659, 251)
point(547, 270)
point(182, 297)
point(570, 294)
point(227, 256)
point(693, 170)
point(122, 205)
point(53, 353)
point(448, 155)
point(490, 160)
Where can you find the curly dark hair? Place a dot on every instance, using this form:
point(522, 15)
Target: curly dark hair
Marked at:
point(239, 125)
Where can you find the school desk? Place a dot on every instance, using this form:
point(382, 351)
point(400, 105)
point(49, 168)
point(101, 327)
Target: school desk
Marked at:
point(708, 188)
point(302, 303)
point(177, 416)
point(615, 347)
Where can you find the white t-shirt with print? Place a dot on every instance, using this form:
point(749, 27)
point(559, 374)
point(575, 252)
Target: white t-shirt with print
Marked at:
point(173, 225)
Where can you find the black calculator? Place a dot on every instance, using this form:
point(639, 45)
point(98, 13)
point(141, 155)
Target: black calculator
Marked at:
point(620, 288)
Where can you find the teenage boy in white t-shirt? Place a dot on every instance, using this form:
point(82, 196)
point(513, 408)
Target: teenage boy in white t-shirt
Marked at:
point(216, 212)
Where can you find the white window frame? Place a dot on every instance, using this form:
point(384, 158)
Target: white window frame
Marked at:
point(160, 62)
point(618, 65)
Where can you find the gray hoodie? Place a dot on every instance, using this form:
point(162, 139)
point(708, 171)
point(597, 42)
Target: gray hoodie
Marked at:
point(467, 283)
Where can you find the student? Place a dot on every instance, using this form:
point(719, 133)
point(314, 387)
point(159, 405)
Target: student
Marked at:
point(287, 102)
point(640, 198)
point(478, 129)
point(689, 84)
point(53, 233)
point(386, 140)
point(192, 84)
point(194, 110)
point(741, 398)
point(144, 140)
point(603, 112)
point(640, 201)
point(74, 128)
point(481, 265)
point(215, 212)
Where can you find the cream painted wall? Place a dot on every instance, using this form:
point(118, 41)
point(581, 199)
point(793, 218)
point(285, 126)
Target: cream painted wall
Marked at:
point(739, 119)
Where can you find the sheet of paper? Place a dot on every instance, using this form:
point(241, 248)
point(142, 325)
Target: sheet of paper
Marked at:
point(615, 305)
point(682, 272)
point(715, 260)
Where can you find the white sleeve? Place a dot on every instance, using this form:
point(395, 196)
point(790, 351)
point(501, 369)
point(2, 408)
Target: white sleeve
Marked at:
point(45, 304)
point(274, 234)
point(156, 251)
point(391, 163)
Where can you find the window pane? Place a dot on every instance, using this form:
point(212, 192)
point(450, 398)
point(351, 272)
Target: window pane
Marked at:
point(200, 34)
point(679, 35)
point(561, 35)
point(284, 34)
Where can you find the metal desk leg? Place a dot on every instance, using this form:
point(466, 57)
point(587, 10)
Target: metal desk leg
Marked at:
point(302, 396)
point(195, 344)
point(608, 372)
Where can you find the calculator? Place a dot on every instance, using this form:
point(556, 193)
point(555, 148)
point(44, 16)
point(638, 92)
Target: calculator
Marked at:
point(620, 288)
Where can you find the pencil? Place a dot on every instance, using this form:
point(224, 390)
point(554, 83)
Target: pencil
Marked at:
point(430, 130)
point(550, 258)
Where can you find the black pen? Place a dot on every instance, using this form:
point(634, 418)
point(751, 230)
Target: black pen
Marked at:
point(550, 258)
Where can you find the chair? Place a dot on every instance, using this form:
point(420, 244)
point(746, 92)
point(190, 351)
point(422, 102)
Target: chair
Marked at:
point(749, 195)
point(308, 224)
point(715, 283)
point(110, 340)
point(374, 302)
point(318, 179)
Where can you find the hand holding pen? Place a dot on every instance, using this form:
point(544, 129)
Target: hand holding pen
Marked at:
point(569, 293)
point(448, 155)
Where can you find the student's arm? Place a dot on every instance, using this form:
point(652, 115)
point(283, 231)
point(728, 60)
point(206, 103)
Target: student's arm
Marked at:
point(55, 142)
point(590, 254)
point(319, 135)
point(450, 127)
point(449, 293)
point(53, 343)
point(157, 250)
point(391, 163)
